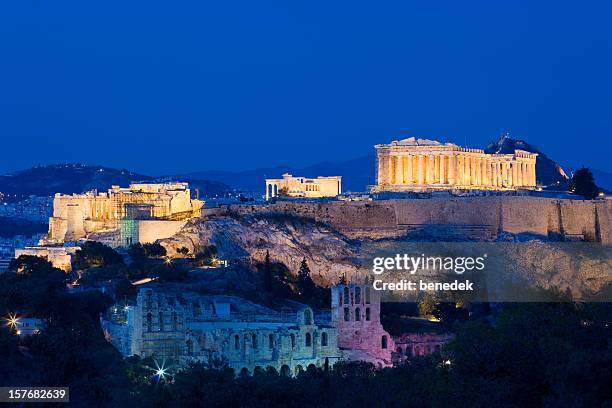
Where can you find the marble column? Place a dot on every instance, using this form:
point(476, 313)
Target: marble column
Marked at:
point(398, 169)
point(494, 174)
point(390, 175)
point(451, 169)
point(473, 179)
point(409, 178)
point(421, 170)
point(380, 173)
point(442, 169)
point(430, 169)
point(526, 176)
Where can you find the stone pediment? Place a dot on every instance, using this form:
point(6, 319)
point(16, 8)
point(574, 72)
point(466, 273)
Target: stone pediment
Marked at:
point(413, 141)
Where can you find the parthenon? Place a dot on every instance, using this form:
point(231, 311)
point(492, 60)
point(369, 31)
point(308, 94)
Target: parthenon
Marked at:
point(419, 165)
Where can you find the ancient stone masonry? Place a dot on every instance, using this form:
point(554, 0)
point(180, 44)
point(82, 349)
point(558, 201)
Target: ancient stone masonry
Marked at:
point(410, 345)
point(356, 316)
point(185, 326)
point(480, 218)
point(78, 215)
point(60, 257)
point(420, 164)
point(304, 187)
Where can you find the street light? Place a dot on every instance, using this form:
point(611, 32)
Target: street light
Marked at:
point(12, 321)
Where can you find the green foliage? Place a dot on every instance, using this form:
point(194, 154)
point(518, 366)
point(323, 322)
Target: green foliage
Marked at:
point(95, 254)
point(182, 250)
point(305, 285)
point(138, 252)
point(168, 272)
point(28, 264)
point(426, 306)
point(449, 312)
point(583, 183)
point(267, 273)
point(33, 289)
point(123, 289)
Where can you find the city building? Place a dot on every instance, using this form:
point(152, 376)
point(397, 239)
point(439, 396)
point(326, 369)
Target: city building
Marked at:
point(291, 186)
point(59, 256)
point(4, 264)
point(33, 208)
point(142, 212)
point(421, 165)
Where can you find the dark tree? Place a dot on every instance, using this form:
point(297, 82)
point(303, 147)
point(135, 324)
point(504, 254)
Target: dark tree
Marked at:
point(138, 252)
point(583, 183)
point(28, 264)
point(154, 250)
point(124, 288)
point(267, 271)
point(96, 254)
point(206, 255)
point(182, 250)
point(449, 312)
point(305, 284)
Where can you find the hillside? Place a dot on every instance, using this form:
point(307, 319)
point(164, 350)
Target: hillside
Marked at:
point(76, 178)
point(548, 172)
point(580, 267)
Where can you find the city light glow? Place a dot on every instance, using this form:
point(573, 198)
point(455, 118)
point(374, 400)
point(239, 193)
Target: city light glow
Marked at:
point(160, 371)
point(12, 321)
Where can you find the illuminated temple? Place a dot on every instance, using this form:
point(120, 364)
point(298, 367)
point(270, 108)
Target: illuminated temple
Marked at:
point(421, 165)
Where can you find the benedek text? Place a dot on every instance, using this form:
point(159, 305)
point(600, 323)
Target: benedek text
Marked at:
point(423, 285)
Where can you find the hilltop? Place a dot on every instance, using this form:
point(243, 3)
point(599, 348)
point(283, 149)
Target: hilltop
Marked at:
point(357, 174)
point(77, 178)
point(548, 172)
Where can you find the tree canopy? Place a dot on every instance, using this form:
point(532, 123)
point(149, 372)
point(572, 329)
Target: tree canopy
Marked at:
point(583, 183)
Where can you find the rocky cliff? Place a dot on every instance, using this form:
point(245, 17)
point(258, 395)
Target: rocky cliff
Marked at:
point(288, 239)
point(331, 254)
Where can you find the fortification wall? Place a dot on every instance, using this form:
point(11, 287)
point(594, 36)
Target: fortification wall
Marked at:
point(151, 230)
point(472, 217)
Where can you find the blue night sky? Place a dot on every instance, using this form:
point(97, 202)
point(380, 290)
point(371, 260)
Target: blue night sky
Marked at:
point(171, 87)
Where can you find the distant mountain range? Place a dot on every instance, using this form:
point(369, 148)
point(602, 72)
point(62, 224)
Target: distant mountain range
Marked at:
point(357, 174)
point(77, 178)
